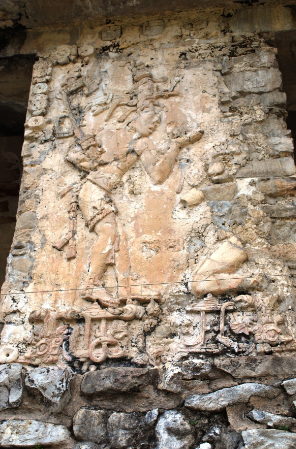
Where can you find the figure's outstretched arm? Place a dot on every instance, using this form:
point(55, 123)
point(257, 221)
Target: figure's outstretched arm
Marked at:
point(159, 170)
point(81, 160)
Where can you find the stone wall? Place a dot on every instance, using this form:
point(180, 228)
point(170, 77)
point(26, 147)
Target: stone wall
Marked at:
point(149, 299)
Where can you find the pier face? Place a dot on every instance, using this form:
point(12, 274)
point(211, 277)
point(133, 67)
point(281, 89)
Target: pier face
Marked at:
point(149, 297)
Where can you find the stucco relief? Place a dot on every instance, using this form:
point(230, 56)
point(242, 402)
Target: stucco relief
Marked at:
point(145, 212)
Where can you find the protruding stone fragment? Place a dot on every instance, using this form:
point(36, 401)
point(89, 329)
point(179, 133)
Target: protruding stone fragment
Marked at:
point(151, 417)
point(116, 380)
point(174, 431)
point(123, 429)
point(290, 386)
point(272, 420)
point(90, 425)
point(11, 386)
point(193, 197)
point(220, 399)
point(32, 433)
point(268, 439)
point(216, 169)
point(52, 382)
point(214, 275)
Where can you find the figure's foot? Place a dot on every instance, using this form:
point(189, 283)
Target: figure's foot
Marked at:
point(98, 293)
point(142, 294)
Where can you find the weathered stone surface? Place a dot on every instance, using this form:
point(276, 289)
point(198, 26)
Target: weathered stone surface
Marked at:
point(225, 192)
point(11, 385)
point(267, 168)
point(237, 418)
point(280, 210)
point(259, 366)
point(219, 400)
point(89, 445)
point(123, 429)
point(290, 386)
point(90, 425)
point(52, 382)
point(174, 431)
point(268, 439)
point(30, 433)
point(28, 220)
point(116, 380)
point(276, 187)
point(260, 81)
point(272, 420)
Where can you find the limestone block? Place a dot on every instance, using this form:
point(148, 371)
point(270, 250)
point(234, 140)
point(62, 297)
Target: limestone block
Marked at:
point(258, 366)
point(225, 192)
point(122, 429)
point(30, 433)
point(280, 145)
point(280, 210)
point(236, 415)
point(38, 104)
point(90, 425)
point(11, 385)
point(28, 220)
point(261, 81)
point(272, 420)
point(52, 382)
point(267, 168)
point(276, 187)
point(40, 88)
point(21, 264)
point(153, 27)
point(174, 431)
point(268, 439)
point(116, 380)
point(111, 32)
point(220, 399)
point(290, 386)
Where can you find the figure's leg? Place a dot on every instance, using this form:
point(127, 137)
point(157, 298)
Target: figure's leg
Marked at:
point(106, 231)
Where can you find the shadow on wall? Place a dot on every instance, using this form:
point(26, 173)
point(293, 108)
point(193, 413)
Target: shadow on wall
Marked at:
point(15, 80)
point(10, 175)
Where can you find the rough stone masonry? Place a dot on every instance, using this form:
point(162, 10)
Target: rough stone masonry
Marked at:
point(149, 299)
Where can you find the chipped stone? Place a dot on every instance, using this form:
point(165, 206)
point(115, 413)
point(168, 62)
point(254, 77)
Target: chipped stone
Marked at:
point(11, 385)
point(31, 433)
point(116, 380)
point(90, 425)
point(174, 431)
point(268, 439)
point(220, 399)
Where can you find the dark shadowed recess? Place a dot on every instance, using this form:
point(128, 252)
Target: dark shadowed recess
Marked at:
point(285, 42)
point(15, 79)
